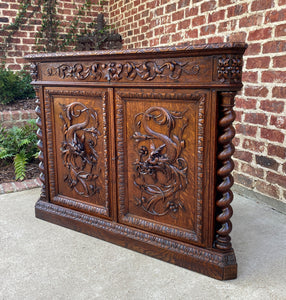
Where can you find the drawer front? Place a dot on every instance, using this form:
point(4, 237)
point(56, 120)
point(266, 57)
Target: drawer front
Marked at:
point(164, 150)
point(77, 148)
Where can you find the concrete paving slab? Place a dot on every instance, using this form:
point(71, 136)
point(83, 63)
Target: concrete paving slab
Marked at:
point(39, 260)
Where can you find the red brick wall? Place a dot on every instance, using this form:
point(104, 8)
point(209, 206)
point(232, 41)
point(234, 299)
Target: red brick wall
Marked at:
point(260, 107)
point(23, 41)
point(261, 110)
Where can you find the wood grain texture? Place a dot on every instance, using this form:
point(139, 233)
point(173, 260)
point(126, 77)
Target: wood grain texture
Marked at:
point(136, 149)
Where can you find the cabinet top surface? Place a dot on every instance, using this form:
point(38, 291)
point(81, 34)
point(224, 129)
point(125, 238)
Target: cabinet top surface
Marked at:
point(200, 49)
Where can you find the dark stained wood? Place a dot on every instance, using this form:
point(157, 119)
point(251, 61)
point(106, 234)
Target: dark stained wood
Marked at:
point(136, 149)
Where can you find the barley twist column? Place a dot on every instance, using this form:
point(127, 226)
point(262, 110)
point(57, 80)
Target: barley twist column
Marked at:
point(225, 166)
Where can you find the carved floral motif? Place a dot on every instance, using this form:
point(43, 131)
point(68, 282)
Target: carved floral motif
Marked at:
point(116, 71)
point(78, 147)
point(229, 68)
point(34, 71)
point(161, 172)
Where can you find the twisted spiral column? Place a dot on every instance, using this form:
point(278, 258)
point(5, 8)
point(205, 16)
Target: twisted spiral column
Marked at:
point(40, 143)
point(225, 166)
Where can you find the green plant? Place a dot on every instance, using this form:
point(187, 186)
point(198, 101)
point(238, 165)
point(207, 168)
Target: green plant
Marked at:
point(19, 145)
point(15, 86)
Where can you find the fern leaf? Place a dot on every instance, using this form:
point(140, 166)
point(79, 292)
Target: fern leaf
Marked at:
point(20, 162)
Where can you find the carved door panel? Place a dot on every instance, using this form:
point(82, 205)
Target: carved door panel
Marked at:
point(164, 182)
point(77, 144)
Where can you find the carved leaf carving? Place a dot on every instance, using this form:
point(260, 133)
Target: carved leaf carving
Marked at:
point(147, 71)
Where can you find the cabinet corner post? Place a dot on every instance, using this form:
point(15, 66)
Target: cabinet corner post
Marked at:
point(40, 143)
point(226, 133)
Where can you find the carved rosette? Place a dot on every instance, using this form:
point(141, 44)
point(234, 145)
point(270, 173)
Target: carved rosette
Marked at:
point(160, 170)
point(229, 68)
point(34, 71)
point(113, 71)
point(40, 142)
point(226, 165)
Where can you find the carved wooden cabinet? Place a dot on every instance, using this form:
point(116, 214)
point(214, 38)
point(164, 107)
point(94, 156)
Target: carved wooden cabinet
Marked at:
point(136, 149)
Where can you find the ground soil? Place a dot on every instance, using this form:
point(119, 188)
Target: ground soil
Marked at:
point(7, 173)
point(19, 105)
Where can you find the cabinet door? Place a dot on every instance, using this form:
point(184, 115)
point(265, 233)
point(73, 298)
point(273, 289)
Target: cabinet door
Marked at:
point(77, 150)
point(165, 145)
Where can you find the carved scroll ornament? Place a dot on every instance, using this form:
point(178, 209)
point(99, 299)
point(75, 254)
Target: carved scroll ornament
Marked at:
point(116, 71)
point(78, 148)
point(160, 171)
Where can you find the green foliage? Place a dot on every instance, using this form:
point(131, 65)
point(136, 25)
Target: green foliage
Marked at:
point(15, 86)
point(19, 145)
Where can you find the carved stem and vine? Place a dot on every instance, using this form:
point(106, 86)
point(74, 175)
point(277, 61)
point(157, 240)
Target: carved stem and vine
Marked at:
point(78, 148)
point(161, 172)
point(226, 165)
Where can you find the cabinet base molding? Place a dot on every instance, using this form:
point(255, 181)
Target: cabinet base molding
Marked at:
point(210, 262)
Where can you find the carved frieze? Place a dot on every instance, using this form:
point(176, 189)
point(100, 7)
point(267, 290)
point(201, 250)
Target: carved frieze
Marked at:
point(114, 71)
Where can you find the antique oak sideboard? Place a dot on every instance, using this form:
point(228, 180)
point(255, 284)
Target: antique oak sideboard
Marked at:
point(136, 149)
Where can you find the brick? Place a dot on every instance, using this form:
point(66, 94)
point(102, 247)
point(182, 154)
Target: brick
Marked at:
point(242, 179)
point(250, 76)
point(243, 155)
point(236, 141)
point(253, 145)
point(20, 186)
point(279, 92)
point(197, 21)
point(227, 26)
point(236, 10)
point(272, 135)
point(207, 6)
point(267, 162)
point(258, 62)
point(216, 16)
point(4, 5)
point(268, 189)
point(256, 118)
point(282, 2)
point(284, 168)
point(246, 129)
point(8, 187)
point(176, 37)
point(216, 39)
point(208, 29)
point(170, 8)
point(260, 34)
point(191, 11)
point(280, 30)
point(252, 20)
point(274, 150)
point(256, 91)
point(279, 61)
point(183, 3)
point(178, 15)
point(261, 5)
point(245, 103)
point(275, 16)
point(184, 24)
point(272, 106)
point(278, 121)
point(276, 179)
point(4, 20)
point(252, 171)
point(237, 37)
point(253, 49)
point(225, 2)
point(190, 34)
point(273, 76)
